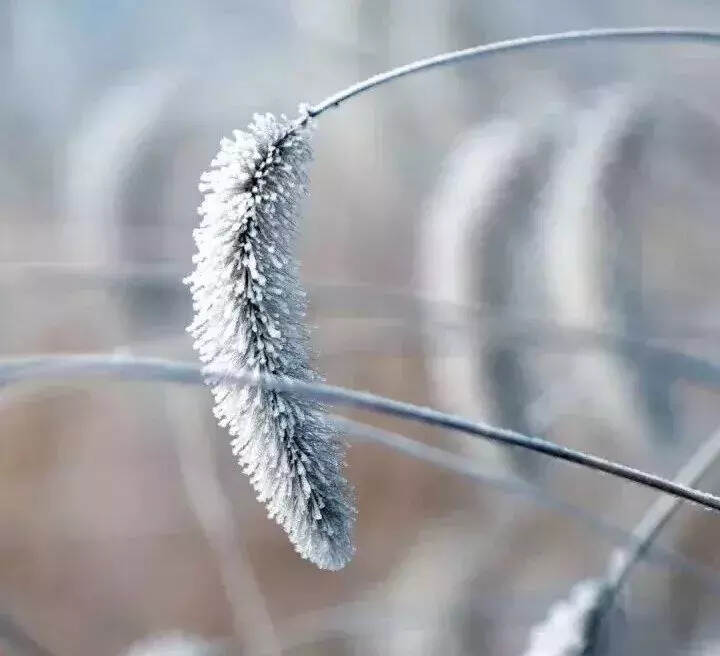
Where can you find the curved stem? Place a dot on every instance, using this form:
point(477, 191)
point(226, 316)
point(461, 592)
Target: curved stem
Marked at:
point(649, 527)
point(471, 469)
point(130, 368)
point(523, 43)
point(463, 467)
point(659, 514)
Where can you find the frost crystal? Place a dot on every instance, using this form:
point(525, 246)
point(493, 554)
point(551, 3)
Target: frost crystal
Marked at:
point(569, 628)
point(249, 312)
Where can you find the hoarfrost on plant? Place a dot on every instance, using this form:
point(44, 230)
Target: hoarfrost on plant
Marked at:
point(249, 315)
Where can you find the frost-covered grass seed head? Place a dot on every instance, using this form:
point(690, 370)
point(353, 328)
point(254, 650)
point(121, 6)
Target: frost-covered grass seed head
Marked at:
point(249, 314)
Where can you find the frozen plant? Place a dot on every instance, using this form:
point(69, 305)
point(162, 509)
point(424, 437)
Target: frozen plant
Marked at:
point(249, 312)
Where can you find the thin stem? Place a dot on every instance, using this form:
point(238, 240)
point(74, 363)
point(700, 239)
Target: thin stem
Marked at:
point(211, 501)
point(649, 527)
point(660, 513)
point(523, 43)
point(511, 485)
point(130, 368)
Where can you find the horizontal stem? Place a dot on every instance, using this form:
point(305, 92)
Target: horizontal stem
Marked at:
point(14, 370)
point(523, 43)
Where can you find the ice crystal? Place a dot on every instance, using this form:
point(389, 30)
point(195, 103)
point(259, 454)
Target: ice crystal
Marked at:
point(570, 626)
point(249, 314)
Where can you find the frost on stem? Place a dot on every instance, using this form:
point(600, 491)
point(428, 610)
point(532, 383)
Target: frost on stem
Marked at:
point(249, 314)
point(570, 628)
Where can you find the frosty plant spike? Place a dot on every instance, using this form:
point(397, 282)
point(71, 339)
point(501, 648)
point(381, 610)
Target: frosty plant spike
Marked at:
point(249, 307)
point(249, 313)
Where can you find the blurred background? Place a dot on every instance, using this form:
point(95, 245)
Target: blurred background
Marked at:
point(506, 239)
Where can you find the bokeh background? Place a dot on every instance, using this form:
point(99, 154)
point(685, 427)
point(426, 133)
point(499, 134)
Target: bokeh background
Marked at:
point(478, 238)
